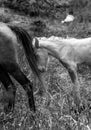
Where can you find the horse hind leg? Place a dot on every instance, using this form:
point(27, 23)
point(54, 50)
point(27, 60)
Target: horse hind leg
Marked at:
point(26, 84)
point(72, 70)
point(76, 92)
point(9, 97)
point(76, 86)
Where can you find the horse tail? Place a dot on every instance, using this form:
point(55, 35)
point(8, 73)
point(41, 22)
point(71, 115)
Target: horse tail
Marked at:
point(26, 40)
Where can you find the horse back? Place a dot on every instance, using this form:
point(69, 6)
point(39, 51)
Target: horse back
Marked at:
point(77, 50)
point(8, 43)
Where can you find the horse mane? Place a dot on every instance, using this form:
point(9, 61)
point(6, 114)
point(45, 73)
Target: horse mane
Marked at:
point(26, 40)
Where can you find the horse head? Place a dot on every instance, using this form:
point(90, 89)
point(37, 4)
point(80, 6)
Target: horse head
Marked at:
point(42, 56)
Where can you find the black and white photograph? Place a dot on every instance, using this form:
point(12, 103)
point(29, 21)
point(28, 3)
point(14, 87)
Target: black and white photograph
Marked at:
point(45, 64)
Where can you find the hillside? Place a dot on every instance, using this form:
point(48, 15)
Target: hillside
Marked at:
point(43, 18)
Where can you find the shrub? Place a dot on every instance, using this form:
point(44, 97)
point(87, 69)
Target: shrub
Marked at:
point(19, 5)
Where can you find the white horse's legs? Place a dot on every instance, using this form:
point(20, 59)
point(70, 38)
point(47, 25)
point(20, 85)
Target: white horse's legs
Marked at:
point(41, 89)
point(72, 69)
point(76, 86)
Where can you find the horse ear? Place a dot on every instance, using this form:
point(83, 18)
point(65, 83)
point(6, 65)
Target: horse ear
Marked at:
point(35, 43)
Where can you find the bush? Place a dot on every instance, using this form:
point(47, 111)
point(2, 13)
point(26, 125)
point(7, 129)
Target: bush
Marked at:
point(19, 5)
point(33, 7)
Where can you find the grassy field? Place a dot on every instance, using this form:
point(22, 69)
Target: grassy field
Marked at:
point(60, 113)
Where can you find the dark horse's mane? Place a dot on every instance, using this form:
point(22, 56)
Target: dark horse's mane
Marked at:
point(26, 40)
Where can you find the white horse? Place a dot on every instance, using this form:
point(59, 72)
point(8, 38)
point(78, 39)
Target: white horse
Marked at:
point(70, 52)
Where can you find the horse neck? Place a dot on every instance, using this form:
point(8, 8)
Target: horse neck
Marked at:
point(51, 46)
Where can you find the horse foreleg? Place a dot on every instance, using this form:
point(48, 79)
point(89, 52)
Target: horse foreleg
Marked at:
point(42, 90)
point(35, 82)
point(39, 90)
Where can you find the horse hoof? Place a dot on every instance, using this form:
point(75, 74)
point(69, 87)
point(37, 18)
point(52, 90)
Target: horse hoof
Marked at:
point(32, 106)
point(33, 109)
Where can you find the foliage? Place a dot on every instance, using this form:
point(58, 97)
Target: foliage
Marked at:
point(19, 5)
point(50, 9)
point(36, 7)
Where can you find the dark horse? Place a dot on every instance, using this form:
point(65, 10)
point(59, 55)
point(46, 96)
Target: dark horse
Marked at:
point(9, 38)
